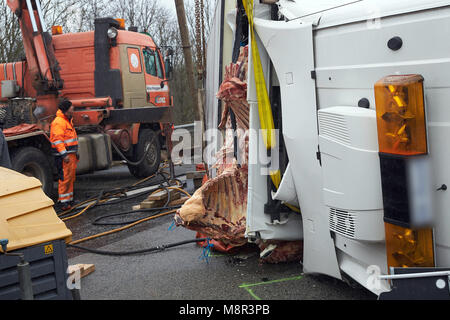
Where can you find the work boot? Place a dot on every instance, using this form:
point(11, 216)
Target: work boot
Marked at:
point(61, 207)
point(74, 203)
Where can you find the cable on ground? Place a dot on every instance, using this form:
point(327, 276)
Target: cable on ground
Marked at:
point(103, 198)
point(147, 250)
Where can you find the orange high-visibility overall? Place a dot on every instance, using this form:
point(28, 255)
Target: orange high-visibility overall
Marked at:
point(64, 144)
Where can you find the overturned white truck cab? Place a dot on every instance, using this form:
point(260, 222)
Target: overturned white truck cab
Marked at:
point(363, 91)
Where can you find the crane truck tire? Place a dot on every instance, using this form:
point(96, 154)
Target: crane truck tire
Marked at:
point(32, 162)
point(147, 138)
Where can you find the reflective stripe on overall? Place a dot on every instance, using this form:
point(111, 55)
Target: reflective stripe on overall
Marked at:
point(65, 186)
point(64, 144)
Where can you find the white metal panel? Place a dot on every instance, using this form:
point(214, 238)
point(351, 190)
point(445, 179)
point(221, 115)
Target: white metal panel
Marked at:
point(286, 191)
point(365, 10)
point(360, 260)
point(351, 176)
point(351, 172)
point(423, 35)
point(361, 57)
point(212, 82)
point(350, 162)
point(228, 33)
point(438, 139)
point(259, 223)
point(290, 47)
point(301, 8)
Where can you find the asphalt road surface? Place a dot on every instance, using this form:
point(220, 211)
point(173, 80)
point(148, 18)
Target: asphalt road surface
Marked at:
point(180, 273)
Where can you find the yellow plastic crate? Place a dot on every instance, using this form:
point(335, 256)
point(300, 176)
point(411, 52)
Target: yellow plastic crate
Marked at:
point(27, 217)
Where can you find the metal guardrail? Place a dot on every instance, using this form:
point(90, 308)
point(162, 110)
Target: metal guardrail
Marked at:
point(191, 128)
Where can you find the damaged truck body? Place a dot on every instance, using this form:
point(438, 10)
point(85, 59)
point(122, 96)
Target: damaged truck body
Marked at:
point(357, 91)
point(116, 79)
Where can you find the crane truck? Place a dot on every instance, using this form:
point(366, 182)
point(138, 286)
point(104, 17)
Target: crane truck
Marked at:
point(358, 92)
point(116, 79)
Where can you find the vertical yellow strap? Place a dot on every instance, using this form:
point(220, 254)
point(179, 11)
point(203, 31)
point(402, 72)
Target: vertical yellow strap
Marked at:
point(265, 111)
point(264, 108)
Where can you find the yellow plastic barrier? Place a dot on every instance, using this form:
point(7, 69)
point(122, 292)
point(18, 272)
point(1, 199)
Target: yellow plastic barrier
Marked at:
point(27, 217)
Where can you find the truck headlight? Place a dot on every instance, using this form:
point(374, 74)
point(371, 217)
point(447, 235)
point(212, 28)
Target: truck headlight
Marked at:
point(112, 33)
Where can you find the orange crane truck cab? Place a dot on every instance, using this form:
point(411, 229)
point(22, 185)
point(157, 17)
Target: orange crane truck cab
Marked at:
point(117, 81)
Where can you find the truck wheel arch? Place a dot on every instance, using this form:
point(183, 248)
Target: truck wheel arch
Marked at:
point(38, 149)
point(146, 133)
point(33, 162)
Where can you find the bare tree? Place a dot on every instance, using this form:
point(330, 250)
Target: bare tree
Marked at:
point(184, 106)
point(56, 12)
point(85, 13)
point(11, 47)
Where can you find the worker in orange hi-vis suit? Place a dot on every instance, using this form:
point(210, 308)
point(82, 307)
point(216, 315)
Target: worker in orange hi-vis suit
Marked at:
point(65, 149)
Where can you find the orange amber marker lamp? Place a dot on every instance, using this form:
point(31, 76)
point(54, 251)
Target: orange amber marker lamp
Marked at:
point(57, 30)
point(401, 115)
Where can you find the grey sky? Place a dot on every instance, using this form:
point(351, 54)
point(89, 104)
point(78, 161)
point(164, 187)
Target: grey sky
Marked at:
point(170, 4)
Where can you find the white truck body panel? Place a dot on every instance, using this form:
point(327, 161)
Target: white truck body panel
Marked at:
point(347, 49)
point(339, 12)
point(286, 191)
point(290, 47)
point(258, 223)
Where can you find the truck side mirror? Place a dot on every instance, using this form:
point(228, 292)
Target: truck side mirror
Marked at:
point(168, 63)
point(168, 67)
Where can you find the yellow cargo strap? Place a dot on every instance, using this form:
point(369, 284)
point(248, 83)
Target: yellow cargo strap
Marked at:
point(265, 111)
point(264, 108)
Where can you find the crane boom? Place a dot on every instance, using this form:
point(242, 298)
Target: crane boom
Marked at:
point(38, 47)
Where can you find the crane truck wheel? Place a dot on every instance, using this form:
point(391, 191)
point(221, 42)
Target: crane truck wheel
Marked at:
point(32, 162)
point(147, 139)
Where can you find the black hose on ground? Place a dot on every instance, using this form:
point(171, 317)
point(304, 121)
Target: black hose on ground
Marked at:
point(113, 193)
point(123, 199)
point(158, 210)
point(125, 189)
point(148, 250)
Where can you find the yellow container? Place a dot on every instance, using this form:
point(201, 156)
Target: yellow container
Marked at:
point(27, 217)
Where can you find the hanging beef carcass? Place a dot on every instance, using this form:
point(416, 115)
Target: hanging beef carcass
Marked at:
point(233, 91)
point(219, 208)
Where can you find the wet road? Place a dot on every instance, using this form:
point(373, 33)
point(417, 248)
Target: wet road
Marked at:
point(90, 185)
point(179, 273)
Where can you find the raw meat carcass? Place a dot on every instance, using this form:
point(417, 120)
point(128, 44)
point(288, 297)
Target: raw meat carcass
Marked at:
point(218, 209)
point(225, 156)
point(233, 91)
point(285, 251)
